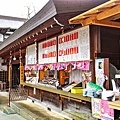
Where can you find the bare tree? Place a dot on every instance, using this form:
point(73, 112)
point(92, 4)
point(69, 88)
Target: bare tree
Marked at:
point(30, 11)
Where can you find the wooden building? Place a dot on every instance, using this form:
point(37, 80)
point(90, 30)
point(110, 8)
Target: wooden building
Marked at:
point(47, 48)
point(106, 21)
point(8, 25)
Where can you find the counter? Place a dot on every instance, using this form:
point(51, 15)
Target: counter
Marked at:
point(115, 105)
point(59, 92)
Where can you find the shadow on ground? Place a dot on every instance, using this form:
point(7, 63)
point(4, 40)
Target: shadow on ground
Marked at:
point(3, 99)
point(40, 111)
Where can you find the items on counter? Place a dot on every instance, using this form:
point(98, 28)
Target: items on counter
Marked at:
point(94, 86)
point(111, 95)
point(32, 80)
point(68, 87)
point(49, 81)
point(77, 90)
point(92, 90)
point(108, 95)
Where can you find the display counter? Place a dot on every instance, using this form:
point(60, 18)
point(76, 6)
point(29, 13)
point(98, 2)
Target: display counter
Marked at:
point(115, 105)
point(59, 92)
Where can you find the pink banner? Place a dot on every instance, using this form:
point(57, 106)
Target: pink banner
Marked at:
point(40, 67)
point(83, 65)
point(33, 67)
point(61, 66)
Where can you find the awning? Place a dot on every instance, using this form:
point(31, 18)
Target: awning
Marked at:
point(107, 14)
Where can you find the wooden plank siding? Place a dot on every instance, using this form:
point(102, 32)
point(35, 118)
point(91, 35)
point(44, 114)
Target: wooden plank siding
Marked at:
point(43, 19)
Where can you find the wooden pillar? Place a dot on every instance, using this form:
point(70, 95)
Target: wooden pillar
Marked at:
point(41, 95)
point(95, 46)
point(61, 103)
point(10, 71)
point(10, 76)
point(106, 72)
point(36, 62)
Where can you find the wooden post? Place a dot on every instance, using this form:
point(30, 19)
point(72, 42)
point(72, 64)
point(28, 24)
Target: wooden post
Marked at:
point(106, 72)
point(61, 103)
point(10, 76)
point(41, 95)
point(94, 46)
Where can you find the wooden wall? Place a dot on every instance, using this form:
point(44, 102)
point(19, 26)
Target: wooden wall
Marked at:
point(110, 44)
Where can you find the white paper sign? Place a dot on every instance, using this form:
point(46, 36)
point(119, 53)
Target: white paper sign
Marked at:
point(74, 46)
point(31, 54)
point(47, 51)
point(99, 71)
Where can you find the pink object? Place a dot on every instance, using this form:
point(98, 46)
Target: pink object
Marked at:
point(40, 67)
point(83, 65)
point(86, 65)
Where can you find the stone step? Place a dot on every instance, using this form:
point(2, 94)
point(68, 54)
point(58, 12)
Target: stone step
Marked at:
point(25, 113)
point(8, 110)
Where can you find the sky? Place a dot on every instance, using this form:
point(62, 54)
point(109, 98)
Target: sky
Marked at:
point(19, 8)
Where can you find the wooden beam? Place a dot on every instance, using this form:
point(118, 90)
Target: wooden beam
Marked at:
point(108, 13)
point(106, 23)
point(88, 21)
point(97, 9)
point(77, 21)
point(115, 17)
point(100, 16)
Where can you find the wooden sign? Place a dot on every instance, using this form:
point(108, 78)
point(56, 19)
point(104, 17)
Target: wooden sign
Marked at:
point(21, 74)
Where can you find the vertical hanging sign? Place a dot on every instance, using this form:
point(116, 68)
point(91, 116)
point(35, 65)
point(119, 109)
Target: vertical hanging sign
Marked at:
point(74, 46)
point(99, 71)
point(96, 108)
point(107, 113)
point(21, 73)
point(31, 54)
point(101, 109)
point(47, 51)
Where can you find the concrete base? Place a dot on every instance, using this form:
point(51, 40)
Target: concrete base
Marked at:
point(8, 110)
point(23, 112)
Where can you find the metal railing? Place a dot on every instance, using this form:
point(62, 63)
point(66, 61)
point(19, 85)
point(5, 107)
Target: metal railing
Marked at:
point(18, 94)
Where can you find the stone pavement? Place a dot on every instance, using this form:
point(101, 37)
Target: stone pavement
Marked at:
point(4, 116)
point(4, 103)
point(29, 110)
point(25, 110)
